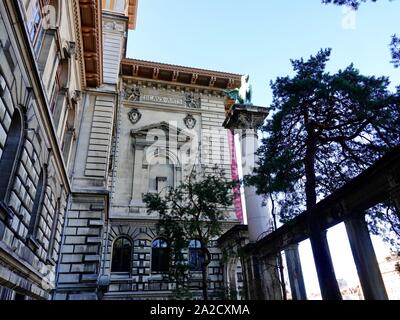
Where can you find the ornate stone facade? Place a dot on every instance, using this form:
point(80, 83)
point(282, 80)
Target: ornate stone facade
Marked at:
point(84, 133)
point(37, 114)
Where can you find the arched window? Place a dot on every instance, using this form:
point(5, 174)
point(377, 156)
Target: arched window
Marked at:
point(10, 153)
point(160, 255)
point(122, 255)
point(37, 205)
point(196, 255)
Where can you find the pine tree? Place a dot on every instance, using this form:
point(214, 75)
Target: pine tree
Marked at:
point(326, 129)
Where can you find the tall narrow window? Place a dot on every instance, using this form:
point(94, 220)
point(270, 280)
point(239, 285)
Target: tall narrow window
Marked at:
point(122, 255)
point(160, 256)
point(10, 153)
point(37, 206)
point(54, 226)
point(196, 255)
point(36, 32)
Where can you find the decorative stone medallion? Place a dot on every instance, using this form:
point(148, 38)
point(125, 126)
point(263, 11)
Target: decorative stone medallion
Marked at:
point(193, 101)
point(132, 93)
point(190, 121)
point(134, 116)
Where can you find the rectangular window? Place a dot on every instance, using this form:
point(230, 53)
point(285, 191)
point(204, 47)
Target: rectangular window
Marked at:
point(35, 29)
point(119, 6)
point(54, 226)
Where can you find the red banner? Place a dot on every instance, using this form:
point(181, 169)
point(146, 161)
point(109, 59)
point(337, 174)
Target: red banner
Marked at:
point(235, 176)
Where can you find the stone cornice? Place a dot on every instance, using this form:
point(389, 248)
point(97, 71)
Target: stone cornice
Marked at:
point(174, 74)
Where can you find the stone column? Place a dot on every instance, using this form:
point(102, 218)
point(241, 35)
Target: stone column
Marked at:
point(365, 259)
point(258, 217)
point(295, 273)
point(323, 263)
point(271, 288)
point(248, 118)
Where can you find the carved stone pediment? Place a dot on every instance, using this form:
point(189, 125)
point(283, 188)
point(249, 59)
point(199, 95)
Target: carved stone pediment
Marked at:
point(161, 131)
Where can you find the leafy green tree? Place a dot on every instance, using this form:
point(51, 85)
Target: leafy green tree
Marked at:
point(326, 128)
point(394, 45)
point(193, 210)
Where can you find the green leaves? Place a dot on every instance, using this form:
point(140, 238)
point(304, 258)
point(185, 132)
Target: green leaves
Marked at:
point(193, 210)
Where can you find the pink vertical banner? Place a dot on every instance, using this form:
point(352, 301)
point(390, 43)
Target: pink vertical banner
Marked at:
point(237, 200)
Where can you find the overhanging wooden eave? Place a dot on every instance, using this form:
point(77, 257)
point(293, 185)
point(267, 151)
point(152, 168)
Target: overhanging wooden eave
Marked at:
point(132, 14)
point(179, 74)
point(90, 44)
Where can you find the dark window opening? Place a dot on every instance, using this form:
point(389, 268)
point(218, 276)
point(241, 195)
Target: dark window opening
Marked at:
point(10, 154)
point(53, 233)
point(160, 256)
point(121, 257)
point(37, 206)
point(19, 297)
point(196, 255)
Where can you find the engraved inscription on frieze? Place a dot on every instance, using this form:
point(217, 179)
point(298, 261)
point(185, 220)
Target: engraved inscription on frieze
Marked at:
point(162, 100)
point(144, 95)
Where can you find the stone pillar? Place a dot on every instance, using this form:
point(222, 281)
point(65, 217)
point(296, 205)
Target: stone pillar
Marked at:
point(323, 263)
point(248, 118)
point(252, 278)
point(295, 273)
point(258, 217)
point(271, 288)
point(365, 259)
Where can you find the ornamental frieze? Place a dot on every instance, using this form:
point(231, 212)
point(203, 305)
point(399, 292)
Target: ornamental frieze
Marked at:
point(189, 100)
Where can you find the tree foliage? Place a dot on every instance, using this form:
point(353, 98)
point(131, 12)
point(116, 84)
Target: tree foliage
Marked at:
point(352, 3)
point(193, 210)
point(394, 45)
point(326, 129)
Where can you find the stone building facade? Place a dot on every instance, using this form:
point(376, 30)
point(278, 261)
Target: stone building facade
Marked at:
point(39, 90)
point(84, 133)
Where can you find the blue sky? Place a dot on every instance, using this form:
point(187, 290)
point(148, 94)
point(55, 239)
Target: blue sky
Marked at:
point(259, 37)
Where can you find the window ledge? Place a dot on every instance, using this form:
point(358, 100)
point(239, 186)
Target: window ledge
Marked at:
point(195, 275)
point(5, 212)
point(157, 277)
point(51, 262)
point(32, 243)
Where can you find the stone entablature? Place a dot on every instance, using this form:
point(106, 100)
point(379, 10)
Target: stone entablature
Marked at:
point(127, 8)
